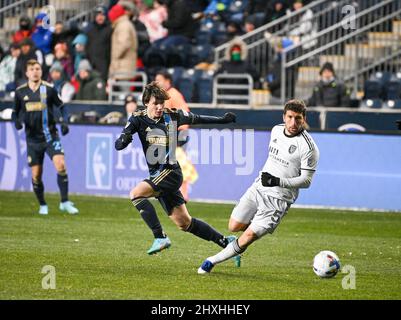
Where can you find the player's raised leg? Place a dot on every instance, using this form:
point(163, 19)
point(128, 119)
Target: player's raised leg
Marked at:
point(38, 188)
point(62, 181)
point(181, 218)
point(139, 198)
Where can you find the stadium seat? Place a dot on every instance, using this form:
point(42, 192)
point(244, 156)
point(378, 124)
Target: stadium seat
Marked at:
point(176, 73)
point(204, 88)
point(382, 77)
point(392, 90)
point(219, 38)
point(373, 89)
point(392, 104)
point(371, 104)
point(186, 84)
point(203, 37)
point(154, 58)
point(200, 53)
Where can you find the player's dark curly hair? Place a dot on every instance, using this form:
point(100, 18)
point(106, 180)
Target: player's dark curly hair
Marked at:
point(154, 90)
point(295, 105)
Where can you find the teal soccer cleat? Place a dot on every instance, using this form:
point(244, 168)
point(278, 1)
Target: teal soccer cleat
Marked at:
point(159, 244)
point(237, 258)
point(43, 209)
point(69, 207)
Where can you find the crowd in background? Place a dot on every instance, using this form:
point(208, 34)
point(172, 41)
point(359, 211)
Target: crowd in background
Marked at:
point(138, 35)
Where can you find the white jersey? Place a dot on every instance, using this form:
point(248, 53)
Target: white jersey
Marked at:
point(291, 159)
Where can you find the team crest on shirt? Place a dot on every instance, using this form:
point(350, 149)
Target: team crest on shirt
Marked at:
point(292, 149)
point(275, 141)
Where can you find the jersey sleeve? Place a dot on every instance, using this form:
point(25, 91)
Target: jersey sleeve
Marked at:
point(310, 157)
point(132, 125)
point(17, 106)
point(185, 117)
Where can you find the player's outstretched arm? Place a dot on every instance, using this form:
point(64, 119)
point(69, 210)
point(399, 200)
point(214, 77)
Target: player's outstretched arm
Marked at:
point(125, 137)
point(192, 118)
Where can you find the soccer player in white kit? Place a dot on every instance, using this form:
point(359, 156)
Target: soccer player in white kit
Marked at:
point(292, 161)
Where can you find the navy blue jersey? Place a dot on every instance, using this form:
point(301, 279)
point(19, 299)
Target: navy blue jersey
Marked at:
point(37, 111)
point(159, 137)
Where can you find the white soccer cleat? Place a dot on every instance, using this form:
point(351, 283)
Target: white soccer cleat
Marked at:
point(69, 207)
point(44, 209)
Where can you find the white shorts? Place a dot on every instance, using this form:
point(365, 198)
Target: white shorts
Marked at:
point(262, 212)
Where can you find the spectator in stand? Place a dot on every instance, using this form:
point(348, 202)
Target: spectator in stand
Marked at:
point(275, 10)
point(91, 85)
point(141, 31)
point(179, 24)
point(98, 47)
point(7, 68)
point(130, 105)
point(25, 30)
point(28, 52)
point(306, 28)
point(165, 80)
point(234, 29)
point(62, 56)
point(273, 78)
point(79, 44)
point(329, 91)
point(124, 44)
point(235, 61)
point(250, 24)
point(42, 36)
point(152, 19)
point(63, 34)
point(256, 9)
point(57, 77)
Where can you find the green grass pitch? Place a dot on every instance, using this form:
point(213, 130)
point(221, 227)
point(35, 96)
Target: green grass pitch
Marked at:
point(101, 254)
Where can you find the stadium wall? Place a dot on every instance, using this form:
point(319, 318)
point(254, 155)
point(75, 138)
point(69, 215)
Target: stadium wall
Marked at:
point(355, 170)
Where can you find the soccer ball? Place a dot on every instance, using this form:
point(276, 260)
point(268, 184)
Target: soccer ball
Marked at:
point(326, 264)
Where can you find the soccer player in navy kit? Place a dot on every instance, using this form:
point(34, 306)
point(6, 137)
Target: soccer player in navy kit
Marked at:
point(291, 164)
point(35, 107)
point(157, 130)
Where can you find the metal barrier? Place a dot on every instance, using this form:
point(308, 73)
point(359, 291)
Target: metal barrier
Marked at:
point(261, 53)
point(231, 89)
point(130, 84)
point(367, 42)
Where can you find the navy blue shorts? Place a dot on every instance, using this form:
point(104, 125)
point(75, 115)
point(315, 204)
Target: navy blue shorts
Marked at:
point(167, 184)
point(36, 151)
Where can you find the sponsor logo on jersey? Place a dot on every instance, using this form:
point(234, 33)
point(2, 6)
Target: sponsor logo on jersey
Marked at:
point(99, 161)
point(34, 106)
